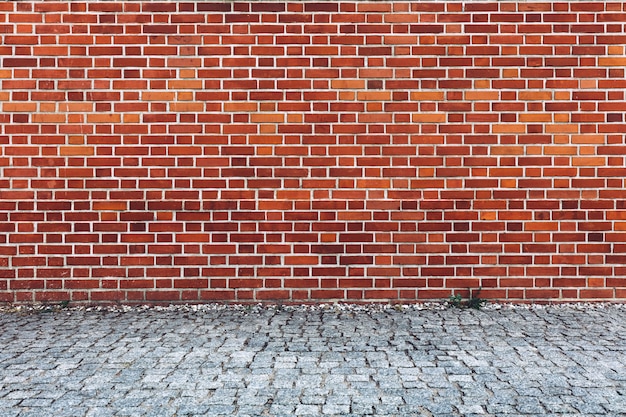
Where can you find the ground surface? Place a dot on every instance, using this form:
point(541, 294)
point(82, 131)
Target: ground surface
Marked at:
point(337, 360)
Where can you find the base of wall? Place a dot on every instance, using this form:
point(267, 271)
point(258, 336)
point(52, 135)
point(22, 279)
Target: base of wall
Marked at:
point(517, 296)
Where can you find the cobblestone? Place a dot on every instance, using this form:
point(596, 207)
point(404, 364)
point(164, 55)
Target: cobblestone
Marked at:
point(332, 361)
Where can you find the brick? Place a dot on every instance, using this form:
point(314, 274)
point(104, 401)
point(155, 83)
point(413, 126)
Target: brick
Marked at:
point(312, 150)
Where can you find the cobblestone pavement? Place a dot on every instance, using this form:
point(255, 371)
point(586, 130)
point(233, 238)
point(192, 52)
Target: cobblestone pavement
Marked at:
point(341, 360)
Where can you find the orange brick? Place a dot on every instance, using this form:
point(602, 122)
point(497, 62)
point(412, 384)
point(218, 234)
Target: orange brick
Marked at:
point(535, 117)
point(373, 95)
point(562, 128)
point(104, 118)
point(157, 95)
point(48, 118)
point(611, 62)
point(240, 107)
point(429, 117)
point(427, 96)
point(560, 150)
point(482, 95)
point(184, 84)
point(509, 128)
point(76, 150)
point(186, 107)
point(535, 95)
point(589, 139)
point(348, 84)
point(19, 107)
point(588, 161)
point(507, 150)
point(267, 118)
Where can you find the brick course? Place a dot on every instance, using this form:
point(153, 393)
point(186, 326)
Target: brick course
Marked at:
point(194, 151)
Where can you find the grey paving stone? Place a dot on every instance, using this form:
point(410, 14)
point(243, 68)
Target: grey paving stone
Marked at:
point(307, 410)
point(337, 361)
point(336, 409)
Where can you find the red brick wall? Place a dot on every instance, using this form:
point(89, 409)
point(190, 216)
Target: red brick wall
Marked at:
point(311, 151)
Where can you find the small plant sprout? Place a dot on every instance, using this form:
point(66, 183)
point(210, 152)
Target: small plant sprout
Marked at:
point(474, 301)
point(455, 301)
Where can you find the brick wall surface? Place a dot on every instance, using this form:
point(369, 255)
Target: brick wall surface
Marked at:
point(181, 151)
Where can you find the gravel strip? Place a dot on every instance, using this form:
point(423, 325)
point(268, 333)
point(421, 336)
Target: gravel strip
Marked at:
point(256, 308)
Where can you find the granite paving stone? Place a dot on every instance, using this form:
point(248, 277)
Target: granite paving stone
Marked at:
point(330, 360)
